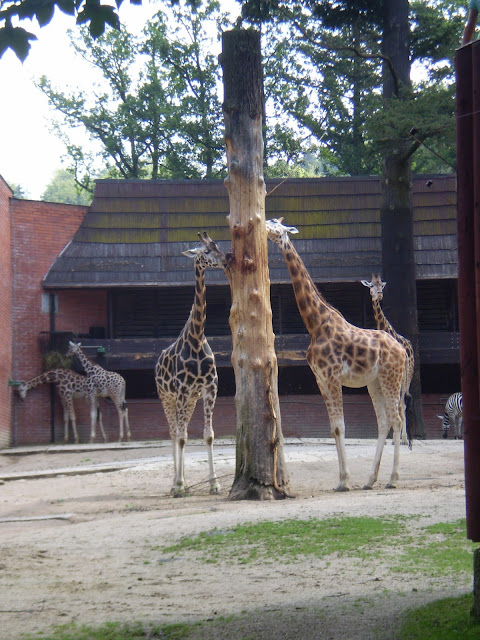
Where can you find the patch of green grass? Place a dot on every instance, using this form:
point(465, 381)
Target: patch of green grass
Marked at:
point(438, 550)
point(289, 539)
point(115, 631)
point(441, 620)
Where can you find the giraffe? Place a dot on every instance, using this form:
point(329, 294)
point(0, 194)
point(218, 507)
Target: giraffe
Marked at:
point(69, 385)
point(341, 354)
point(376, 287)
point(102, 384)
point(185, 371)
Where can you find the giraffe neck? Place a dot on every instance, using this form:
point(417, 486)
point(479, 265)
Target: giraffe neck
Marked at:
point(195, 326)
point(88, 366)
point(311, 304)
point(48, 376)
point(380, 319)
point(383, 324)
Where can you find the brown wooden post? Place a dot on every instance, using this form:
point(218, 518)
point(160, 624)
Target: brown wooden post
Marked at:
point(260, 471)
point(468, 230)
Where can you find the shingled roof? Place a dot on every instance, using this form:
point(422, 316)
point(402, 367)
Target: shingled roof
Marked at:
point(135, 231)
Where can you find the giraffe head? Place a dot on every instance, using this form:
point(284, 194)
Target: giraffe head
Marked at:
point(74, 349)
point(22, 390)
point(278, 232)
point(207, 255)
point(376, 287)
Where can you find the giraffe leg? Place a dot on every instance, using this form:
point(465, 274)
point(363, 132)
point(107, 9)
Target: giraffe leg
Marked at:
point(185, 406)
point(169, 407)
point(332, 394)
point(74, 427)
point(209, 396)
point(120, 422)
point(379, 406)
point(126, 422)
point(100, 422)
point(65, 422)
point(93, 419)
point(71, 415)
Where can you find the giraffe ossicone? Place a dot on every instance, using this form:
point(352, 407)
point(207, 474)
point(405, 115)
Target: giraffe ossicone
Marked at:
point(185, 371)
point(101, 383)
point(341, 354)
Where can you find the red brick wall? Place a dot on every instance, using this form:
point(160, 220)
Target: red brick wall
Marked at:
point(80, 310)
point(5, 315)
point(302, 417)
point(40, 230)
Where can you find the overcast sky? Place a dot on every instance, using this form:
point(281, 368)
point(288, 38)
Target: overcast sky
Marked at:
point(29, 153)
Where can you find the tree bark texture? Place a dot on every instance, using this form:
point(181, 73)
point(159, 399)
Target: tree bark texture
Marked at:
point(260, 471)
point(396, 213)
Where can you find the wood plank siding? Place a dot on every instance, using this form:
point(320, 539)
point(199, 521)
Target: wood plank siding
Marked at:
point(135, 231)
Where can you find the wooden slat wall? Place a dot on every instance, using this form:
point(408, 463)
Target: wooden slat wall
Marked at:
point(136, 231)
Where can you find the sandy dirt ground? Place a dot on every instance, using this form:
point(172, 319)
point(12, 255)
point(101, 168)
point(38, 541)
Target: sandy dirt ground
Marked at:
point(82, 534)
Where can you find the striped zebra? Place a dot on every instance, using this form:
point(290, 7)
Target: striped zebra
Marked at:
point(453, 414)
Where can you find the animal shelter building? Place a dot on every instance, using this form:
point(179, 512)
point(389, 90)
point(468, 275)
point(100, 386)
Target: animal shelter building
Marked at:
point(112, 277)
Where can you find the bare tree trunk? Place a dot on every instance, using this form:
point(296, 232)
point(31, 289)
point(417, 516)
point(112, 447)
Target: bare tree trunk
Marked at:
point(260, 467)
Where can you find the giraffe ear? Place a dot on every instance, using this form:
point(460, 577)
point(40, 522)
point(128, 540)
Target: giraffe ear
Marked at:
point(366, 283)
point(190, 253)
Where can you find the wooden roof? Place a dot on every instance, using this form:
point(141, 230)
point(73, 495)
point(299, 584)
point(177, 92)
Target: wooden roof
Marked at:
point(135, 231)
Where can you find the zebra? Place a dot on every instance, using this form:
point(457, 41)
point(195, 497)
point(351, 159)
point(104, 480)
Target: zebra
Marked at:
point(453, 414)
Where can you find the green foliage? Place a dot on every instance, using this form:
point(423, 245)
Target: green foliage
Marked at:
point(435, 550)
point(90, 12)
point(56, 360)
point(18, 190)
point(289, 539)
point(324, 76)
point(115, 631)
point(157, 114)
point(63, 188)
point(441, 620)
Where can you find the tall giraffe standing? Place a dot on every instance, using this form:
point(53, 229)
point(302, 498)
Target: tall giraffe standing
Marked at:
point(69, 385)
point(186, 371)
point(341, 354)
point(102, 384)
point(376, 287)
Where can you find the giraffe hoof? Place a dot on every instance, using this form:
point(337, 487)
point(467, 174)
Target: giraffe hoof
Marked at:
point(367, 487)
point(341, 488)
point(215, 490)
point(390, 486)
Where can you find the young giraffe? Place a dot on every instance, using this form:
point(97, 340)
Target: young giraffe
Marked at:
point(341, 354)
point(186, 371)
point(101, 383)
point(69, 385)
point(376, 287)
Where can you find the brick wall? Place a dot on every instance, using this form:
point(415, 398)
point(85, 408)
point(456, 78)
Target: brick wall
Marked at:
point(5, 315)
point(40, 230)
point(302, 417)
point(80, 310)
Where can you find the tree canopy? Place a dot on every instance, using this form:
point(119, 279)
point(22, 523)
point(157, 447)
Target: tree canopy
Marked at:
point(63, 188)
point(97, 16)
point(156, 113)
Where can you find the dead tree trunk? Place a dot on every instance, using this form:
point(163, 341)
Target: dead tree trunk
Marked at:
point(260, 471)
